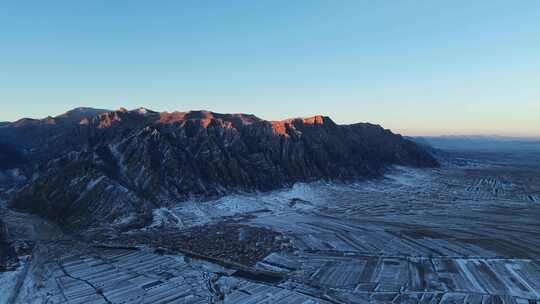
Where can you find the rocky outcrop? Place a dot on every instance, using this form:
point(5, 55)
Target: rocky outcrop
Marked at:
point(126, 162)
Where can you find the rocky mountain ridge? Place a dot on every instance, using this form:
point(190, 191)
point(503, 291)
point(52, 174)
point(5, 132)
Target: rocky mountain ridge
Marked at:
point(92, 166)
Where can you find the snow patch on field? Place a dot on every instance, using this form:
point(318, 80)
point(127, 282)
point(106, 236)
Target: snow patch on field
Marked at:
point(301, 197)
point(126, 219)
point(8, 280)
point(200, 212)
point(408, 177)
point(165, 217)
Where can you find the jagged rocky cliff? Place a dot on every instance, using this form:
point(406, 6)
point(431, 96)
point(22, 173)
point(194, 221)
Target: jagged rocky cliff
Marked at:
point(89, 166)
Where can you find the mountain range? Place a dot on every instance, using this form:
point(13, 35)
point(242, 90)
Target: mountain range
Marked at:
point(90, 166)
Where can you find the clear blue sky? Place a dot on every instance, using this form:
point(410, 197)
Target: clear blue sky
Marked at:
point(417, 67)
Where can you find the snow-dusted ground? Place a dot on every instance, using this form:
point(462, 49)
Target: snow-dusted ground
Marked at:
point(306, 196)
point(8, 281)
point(457, 226)
point(449, 235)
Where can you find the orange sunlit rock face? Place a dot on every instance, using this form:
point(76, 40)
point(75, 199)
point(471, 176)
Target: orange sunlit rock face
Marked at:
point(170, 118)
point(279, 128)
point(315, 120)
point(108, 119)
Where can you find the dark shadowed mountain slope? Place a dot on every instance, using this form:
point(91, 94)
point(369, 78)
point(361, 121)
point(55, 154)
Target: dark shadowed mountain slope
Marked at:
point(10, 157)
point(8, 256)
point(127, 162)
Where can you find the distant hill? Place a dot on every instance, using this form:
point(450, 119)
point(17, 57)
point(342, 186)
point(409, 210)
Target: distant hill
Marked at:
point(42, 139)
point(480, 142)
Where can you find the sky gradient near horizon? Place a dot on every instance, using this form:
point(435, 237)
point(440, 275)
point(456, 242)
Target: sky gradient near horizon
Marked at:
point(416, 67)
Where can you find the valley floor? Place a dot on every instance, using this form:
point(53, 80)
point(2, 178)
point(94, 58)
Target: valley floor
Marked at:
point(465, 233)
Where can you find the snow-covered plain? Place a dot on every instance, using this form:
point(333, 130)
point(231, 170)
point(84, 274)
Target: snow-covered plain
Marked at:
point(449, 235)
